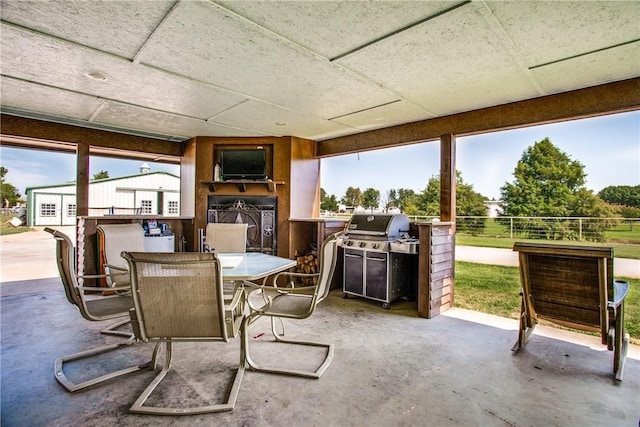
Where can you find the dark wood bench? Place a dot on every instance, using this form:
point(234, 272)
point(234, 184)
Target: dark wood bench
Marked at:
point(573, 286)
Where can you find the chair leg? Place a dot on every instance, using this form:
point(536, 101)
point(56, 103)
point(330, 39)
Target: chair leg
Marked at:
point(527, 325)
point(73, 387)
point(621, 344)
point(139, 408)
point(111, 330)
point(296, 372)
point(273, 328)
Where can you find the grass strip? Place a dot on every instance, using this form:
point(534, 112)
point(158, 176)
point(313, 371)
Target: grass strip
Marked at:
point(495, 289)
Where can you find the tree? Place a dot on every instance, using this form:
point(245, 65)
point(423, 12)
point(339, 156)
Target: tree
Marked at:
point(371, 198)
point(406, 200)
point(101, 175)
point(352, 197)
point(624, 195)
point(7, 191)
point(328, 203)
point(548, 183)
point(428, 202)
point(468, 204)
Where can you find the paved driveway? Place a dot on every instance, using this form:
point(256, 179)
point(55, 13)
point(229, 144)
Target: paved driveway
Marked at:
point(622, 267)
point(30, 255)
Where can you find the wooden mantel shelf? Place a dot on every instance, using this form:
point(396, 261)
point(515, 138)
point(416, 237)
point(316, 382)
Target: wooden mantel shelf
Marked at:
point(242, 184)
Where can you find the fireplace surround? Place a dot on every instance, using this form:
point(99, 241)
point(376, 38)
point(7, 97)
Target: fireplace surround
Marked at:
point(258, 212)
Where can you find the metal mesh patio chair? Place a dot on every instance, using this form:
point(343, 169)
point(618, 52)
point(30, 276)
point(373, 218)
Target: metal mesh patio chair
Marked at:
point(93, 307)
point(291, 302)
point(112, 240)
point(225, 237)
point(178, 297)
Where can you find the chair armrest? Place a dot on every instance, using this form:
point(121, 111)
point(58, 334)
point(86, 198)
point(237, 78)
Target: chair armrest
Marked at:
point(126, 288)
point(238, 296)
point(135, 325)
point(119, 270)
point(103, 289)
point(113, 273)
point(620, 291)
point(234, 312)
point(292, 274)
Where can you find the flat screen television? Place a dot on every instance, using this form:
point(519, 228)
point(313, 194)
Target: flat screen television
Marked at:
point(243, 164)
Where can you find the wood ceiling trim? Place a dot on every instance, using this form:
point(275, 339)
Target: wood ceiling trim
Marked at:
point(31, 128)
point(616, 97)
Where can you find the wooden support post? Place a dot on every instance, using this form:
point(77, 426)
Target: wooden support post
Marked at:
point(448, 197)
point(82, 179)
point(448, 178)
point(82, 205)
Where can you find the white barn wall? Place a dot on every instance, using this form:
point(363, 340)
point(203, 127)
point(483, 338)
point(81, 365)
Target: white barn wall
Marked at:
point(69, 209)
point(108, 196)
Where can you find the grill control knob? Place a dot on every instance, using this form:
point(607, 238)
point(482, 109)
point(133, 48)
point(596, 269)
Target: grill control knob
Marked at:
point(349, 243)
point(375, 245)
point(362, 244)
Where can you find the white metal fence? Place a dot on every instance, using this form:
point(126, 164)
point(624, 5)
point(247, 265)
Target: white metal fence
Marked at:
point(547, 228)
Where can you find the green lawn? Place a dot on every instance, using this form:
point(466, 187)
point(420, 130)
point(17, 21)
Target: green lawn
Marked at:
point(6, 228)
point(621, 250)
point(495, 289)
point(624, 239)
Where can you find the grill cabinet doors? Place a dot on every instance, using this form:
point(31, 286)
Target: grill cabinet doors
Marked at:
point(381, 276)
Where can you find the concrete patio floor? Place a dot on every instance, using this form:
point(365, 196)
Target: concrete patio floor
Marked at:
point(391, 368)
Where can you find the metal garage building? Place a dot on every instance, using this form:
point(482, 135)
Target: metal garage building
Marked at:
point(145, 193)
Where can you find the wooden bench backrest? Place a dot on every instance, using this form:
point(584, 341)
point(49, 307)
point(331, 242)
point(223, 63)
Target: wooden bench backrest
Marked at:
point(567, 284)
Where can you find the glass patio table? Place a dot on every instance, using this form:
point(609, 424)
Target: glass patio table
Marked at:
point(252, 265)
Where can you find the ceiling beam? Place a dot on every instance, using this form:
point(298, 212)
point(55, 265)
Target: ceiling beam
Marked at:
point(24, 132)
point(616, 97)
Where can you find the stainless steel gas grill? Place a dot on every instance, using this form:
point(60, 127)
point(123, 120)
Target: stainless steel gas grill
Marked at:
point(380, 258)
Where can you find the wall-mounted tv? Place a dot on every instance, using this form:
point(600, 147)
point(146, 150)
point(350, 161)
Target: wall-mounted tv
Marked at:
point(243, 164)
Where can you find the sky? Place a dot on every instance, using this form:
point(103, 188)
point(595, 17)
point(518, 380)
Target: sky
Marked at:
point(607, 146)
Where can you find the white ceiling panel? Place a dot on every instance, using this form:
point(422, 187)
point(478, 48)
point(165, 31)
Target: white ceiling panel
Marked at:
point(127, 116)
point(207, 43)
point(325, 68)
point(60, 64)
point(117, 27)
point(52, 101)
point(588, 70)
point(272, 120)
point(391, 114)
point(549, 31)
point(332, 28)
point(424, 64)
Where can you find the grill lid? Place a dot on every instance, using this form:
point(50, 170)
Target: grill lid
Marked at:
point(383, 226)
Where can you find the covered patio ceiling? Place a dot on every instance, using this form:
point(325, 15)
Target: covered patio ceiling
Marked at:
point(321, 70)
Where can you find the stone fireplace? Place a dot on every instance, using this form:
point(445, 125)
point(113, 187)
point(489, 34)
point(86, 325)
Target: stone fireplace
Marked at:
point(258, 212)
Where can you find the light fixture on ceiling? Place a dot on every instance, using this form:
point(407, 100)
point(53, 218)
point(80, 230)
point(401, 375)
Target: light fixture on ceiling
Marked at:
point(96, 75)
point(281, 124)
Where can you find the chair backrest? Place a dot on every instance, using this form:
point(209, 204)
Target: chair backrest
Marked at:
point(66, 261)
point(116, 238)
point(226, 237)
point(177, 296)
point(328, 258)
point(568, 284)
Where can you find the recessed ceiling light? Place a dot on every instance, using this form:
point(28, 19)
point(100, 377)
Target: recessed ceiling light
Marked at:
point(96, 75)
point(280, 123)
